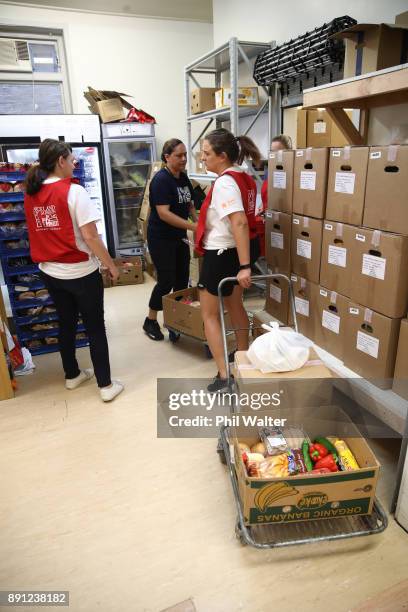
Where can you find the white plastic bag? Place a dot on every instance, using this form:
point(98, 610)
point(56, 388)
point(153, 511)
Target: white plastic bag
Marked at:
point(280, 350)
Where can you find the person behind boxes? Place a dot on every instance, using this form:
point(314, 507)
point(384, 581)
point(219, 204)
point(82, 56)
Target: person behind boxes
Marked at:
point(225, 226)
point(64, 240)
point(171, 205)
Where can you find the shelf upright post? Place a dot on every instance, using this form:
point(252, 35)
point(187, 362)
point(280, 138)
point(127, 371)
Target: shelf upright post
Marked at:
point(233, 51)
point(187, 110)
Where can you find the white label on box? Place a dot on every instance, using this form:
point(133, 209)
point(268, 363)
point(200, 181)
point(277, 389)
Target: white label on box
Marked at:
point(269, 214)
point(355, 311)
point(279, 179)
point(276, 240)
point(319, 127)
point(293, 278)
point(299, 153)
point(331, 321)
point(302, 306)
point(337, 256)
point(360, 237)
point(344, 182)
point(328, 226)
point(304, 248)
point(323, 292)
point(367, 344)
point(375, 155)
point(374, 266)
point(271, 155)
point(296, 221)
point(308, 180)
point(336, 153)
point(275, 293)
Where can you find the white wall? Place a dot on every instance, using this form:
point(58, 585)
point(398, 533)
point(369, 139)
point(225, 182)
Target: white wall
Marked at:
point(266, 20)
point(141, 57)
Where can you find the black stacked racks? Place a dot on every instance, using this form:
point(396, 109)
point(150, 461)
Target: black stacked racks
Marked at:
point(303, 55)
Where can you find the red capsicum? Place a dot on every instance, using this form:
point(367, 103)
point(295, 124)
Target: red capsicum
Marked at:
point(317, 451)
point(327, 462)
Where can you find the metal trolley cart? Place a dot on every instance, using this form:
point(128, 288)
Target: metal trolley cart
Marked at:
point(288, 534)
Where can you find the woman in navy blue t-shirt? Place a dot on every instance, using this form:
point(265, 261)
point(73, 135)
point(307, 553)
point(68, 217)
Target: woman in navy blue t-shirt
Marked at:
point(171, 205)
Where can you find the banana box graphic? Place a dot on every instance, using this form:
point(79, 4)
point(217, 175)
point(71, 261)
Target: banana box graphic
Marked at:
point(271, 493)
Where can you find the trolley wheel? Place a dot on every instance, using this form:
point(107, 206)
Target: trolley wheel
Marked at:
point(239, 535)
point(174, 336)
point(208, 352)
point(221, 453)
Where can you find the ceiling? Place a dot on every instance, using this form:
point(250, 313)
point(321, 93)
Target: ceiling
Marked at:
point(192, 10)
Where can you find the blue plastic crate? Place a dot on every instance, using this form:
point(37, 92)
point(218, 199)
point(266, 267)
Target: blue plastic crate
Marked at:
point(12, 196)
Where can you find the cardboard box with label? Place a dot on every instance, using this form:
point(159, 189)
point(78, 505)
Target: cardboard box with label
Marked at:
point(336, 266)
point(109, 105)
point(202, 100)
point(310, 385)
point(379, 278)
point(373, 46)
point(400, 384)
point(309, 496)
point(278, 228)
point(371, 345)
point(322, 131)
point(387, 189)
point(277, 299)
point(347, 184)
point(305, 295)
point(247, 96)
point(280, 181)
point(306, 247)
point(142, 228)
point(130, 271)
point(332, 314)
point(310, 182)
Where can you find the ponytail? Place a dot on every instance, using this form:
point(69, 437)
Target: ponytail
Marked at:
point(34, 179)
point(247, 148)
point(49, 153)
point(236, 149)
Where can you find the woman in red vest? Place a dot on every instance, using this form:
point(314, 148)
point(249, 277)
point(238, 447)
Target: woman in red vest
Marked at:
point(225, 226)
point(64, 240)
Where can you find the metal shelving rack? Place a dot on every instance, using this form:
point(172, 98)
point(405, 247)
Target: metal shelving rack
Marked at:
point(228, 57)
point(12, 260)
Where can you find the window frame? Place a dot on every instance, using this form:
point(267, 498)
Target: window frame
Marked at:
point(48, 35)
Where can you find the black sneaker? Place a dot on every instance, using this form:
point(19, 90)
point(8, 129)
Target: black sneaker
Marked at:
point(231, 357)
point(221, 385)
point(173, 336)
point(152, 329)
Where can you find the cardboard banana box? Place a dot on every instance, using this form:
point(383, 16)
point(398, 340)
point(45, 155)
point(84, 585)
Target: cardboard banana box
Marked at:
point(309, 497)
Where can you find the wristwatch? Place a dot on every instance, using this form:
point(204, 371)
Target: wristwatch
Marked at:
point(245, 267)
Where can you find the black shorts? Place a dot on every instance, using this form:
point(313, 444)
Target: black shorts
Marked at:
point(215, 268)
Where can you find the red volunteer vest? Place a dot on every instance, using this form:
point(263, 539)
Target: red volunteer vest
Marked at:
point(49, 224)
point(247, 187)
point(264, 194)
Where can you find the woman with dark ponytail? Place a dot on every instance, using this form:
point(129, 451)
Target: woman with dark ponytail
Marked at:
point(171, 204)
point(64, 241)
point(226, 228)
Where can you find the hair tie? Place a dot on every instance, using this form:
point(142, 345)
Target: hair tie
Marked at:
point(237, 138)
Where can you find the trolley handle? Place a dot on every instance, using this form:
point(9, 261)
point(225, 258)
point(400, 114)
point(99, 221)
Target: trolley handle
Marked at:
point(257, 277)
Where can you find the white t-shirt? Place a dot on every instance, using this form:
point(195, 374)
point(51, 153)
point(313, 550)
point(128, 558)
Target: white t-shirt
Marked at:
point(226, 199)
point(82, 211)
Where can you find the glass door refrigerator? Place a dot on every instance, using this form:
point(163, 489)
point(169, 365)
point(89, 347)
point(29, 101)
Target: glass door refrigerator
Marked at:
point(129, 150)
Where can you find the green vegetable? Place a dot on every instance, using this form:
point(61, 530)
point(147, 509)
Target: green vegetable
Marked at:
point(305, 451)
point(330, 447)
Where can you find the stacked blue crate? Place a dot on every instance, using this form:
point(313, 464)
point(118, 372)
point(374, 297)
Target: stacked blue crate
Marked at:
point(21, 274)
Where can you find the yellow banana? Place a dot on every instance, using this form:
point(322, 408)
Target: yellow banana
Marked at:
point(270, 493)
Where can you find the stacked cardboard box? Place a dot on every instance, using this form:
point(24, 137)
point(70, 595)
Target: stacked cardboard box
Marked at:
point(344, 212)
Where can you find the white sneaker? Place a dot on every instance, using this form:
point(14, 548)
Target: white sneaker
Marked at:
point(73, 383)
point(109, 393)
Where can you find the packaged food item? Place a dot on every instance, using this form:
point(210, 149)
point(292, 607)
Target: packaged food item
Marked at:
point(42, 294)
point(51, 340)
point(244, 447)
point(347, 460)
point(18, 187)
point(296, 459)
point(274, 441)
point(26, 295)
point(276, 466)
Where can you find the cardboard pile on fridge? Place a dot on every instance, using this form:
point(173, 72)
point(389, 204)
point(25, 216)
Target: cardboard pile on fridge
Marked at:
point(107, 104)
point(305, 497)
